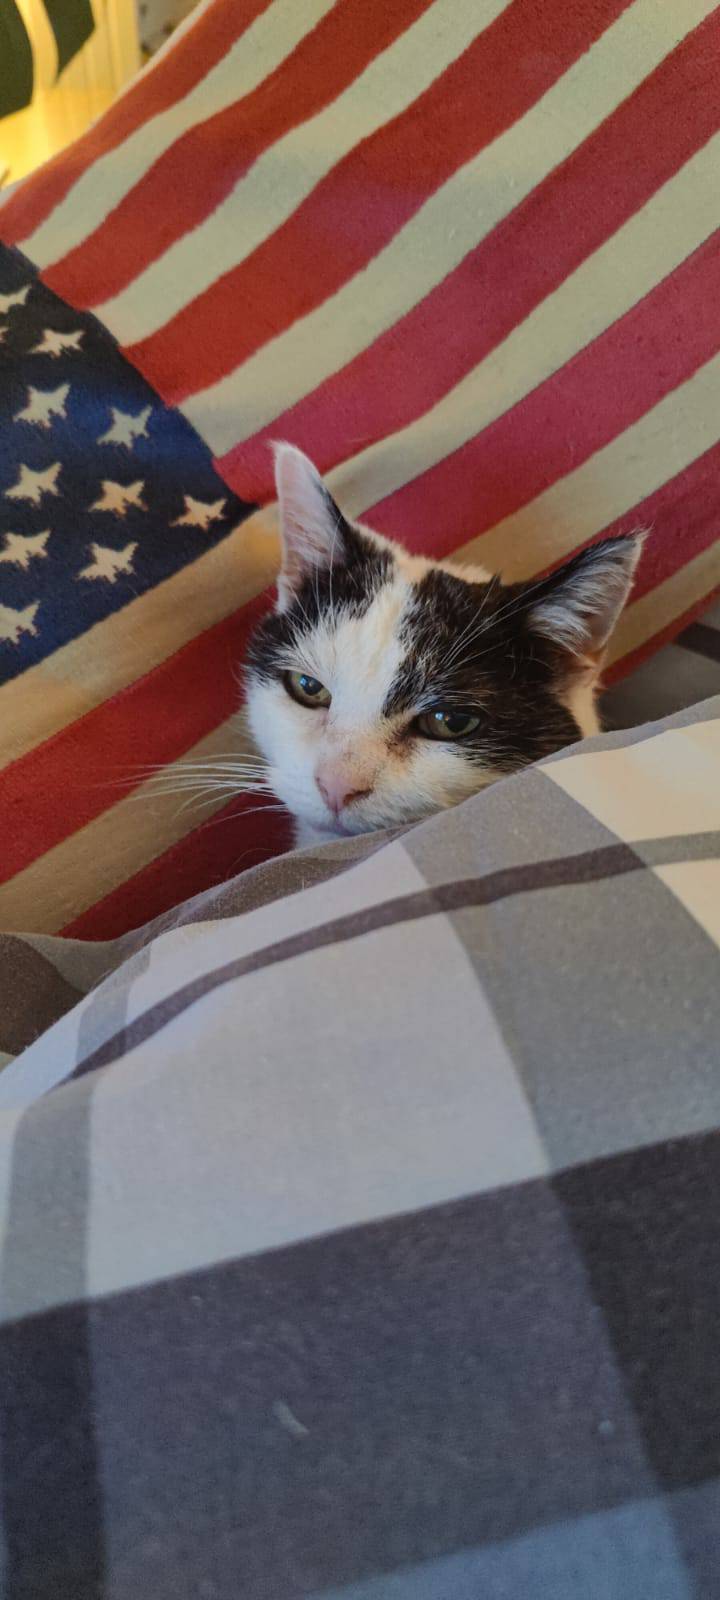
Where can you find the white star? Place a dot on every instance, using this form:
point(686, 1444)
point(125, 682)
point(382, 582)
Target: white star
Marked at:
point(126, 428)
point(118, 497)
point(7, 301)
point(21, 551)
point(199, 513)
point(13, 623)
point(43, 405)
point(108, 563)
point(54, 343)
point(33, 485)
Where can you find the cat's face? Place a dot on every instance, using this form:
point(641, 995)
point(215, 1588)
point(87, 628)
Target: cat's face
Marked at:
point(384, 687)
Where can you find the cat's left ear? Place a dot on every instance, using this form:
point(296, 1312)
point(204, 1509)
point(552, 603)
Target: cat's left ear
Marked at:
point(577, 606)
point(312, 527)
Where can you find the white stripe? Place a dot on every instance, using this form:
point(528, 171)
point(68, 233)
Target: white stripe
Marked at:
point(646, 249)
point(259, 51)
point(661, 606)
point(286, 173)
point(610, 484)
point(451, 223)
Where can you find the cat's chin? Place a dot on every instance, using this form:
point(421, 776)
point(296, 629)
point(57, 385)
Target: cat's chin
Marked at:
point(315, 833)
point(309, 833)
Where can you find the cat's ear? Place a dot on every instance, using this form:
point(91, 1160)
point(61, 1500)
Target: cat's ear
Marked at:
point(311, 525)
point(577, 606)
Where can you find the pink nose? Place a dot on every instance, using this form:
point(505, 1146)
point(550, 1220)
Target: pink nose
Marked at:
point(338, 788)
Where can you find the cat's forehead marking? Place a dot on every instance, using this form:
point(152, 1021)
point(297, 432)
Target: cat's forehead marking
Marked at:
point(359, 654)
point(443, 615)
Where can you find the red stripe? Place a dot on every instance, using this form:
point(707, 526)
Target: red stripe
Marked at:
point(371, 193)
point(209, 40)
point(567, 217)
point(656, 346)
point(229, 843)
point(202, 167)
point(97, 760)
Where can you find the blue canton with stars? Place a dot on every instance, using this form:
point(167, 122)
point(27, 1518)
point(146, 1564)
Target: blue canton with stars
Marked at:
point(104, 490)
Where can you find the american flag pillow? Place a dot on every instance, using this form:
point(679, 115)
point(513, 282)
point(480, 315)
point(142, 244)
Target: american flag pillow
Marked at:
point(464, 252)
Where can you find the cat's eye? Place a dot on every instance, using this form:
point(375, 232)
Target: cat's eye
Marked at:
point(441, 722)
point(308, 691)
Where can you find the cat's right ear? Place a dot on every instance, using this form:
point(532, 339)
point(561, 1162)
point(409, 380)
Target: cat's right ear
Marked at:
point(311, 525)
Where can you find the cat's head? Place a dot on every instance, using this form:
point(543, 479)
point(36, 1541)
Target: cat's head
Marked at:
point(385, 686)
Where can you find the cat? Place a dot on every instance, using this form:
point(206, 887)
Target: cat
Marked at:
point(383, 686)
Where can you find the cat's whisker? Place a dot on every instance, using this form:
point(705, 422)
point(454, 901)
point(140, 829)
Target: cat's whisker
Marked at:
point(481, 624)
point(217, 755)
point(233, 758)
point(207, 772)
point(477, 624)
point(157, 778)
point(230, 769)
point(249, 785)
point(247, 811)
point(297, 602)
point(234, 816)
point(211, 780)
point(520, 602)
point(512, 607)
point(151, 774)
point(202, 802)
point(220, 761)
point(316, 580)
point(201, 788)
point(336, 530)
point(216, 787)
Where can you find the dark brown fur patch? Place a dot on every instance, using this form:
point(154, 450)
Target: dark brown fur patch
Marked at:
point(501, 670)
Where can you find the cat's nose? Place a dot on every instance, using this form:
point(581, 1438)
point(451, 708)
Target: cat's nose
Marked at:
point(338, 788)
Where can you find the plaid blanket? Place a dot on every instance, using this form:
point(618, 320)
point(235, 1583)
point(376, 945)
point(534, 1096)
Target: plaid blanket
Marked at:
point(465, 252)
point(359, 1219)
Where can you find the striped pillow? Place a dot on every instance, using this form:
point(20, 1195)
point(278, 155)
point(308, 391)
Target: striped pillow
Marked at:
point(463, 252)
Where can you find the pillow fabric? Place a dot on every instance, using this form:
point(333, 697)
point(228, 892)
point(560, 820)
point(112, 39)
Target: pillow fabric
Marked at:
point(411, 1292)
point(463, 252)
